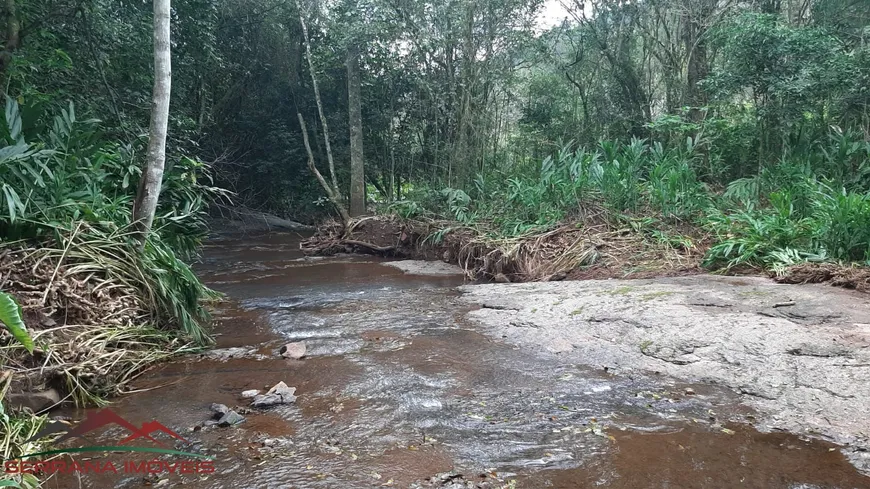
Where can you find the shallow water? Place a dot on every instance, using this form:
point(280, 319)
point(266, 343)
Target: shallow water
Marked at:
point(396, 388)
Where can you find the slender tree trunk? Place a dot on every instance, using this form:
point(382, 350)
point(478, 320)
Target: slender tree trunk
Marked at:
point(357, 162)
point(319, 103)
point(694, 36)
point(152, 174)
point(331, 193)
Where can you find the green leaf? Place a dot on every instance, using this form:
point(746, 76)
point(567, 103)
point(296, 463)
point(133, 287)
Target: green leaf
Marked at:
point(9, 483)
point(13, 119)
point(10, 315)
point(13, 202)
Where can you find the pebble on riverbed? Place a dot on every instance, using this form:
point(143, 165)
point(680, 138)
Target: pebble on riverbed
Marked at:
point(295, 350)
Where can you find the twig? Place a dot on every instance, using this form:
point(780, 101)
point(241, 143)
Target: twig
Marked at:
point(60, 262)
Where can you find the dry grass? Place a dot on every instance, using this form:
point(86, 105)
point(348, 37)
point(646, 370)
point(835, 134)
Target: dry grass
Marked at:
point(573, 250)
point(849, 277)
point(92, 332)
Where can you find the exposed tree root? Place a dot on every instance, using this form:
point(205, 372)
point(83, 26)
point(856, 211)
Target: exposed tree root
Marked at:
point(568, 251)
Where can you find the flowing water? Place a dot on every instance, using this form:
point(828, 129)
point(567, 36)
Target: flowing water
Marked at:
point(398, 391)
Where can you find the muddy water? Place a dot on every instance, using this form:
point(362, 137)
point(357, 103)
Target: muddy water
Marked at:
point(397, 390)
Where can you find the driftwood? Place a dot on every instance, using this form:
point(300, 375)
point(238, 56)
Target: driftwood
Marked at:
point(331, 246)
point(249, 216)
point(363, 244)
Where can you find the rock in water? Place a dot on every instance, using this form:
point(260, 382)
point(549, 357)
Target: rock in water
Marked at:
point(231, 418)
point(556, 277)
point(279, 394)
point(250, 393)
point(295, 350)
point(218, 409)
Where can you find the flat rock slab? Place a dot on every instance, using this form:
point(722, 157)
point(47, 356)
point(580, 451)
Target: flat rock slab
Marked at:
point(799, 354)
point(422, 267)
point(227, 354)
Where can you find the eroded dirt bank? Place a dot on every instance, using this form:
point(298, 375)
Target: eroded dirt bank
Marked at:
point(800, 355)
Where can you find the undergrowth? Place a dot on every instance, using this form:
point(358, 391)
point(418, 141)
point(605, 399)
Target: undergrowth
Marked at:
point(99, 308)
point(811, 206)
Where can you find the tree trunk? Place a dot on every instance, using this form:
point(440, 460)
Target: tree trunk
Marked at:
point(319, 103)
point(357, 165)
point(695, 21)
point(331, 192)
point(13, 34)
point(152, 175)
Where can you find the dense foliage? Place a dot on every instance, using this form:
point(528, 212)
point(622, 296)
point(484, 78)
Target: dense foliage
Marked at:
point(749, 119)
point(66, 185)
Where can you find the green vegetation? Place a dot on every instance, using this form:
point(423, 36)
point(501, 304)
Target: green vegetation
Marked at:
point(72, 191)
point(10, 317)
point(738, 127)
point(636, 136)
point(99, 299)
point(640, 137)
point(16, 428)
point(789, 213)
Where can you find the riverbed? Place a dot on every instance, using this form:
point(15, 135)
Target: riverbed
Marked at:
point(404, 386)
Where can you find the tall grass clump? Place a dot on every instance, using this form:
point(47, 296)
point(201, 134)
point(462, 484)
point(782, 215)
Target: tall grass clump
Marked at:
point(632, 178)
point(102, 308)
point(72, 192)
point(812, 205)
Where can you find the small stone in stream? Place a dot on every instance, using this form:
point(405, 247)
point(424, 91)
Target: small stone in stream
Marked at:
point(502, 278)
point(250, 393)
point(279, 394)
point(230, 418)
point(295, 350)
point(218, 409)
point(277, 442)
point(210, 422)
point(690, 391)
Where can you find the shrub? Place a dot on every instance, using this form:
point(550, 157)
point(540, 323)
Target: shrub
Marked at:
point(72, 192)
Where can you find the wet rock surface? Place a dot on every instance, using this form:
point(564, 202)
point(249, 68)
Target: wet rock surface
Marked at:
point(800, 355)
point(278, 395)
point(422, 267)
point(34, 401)
point(294, 350)
point(401, 388)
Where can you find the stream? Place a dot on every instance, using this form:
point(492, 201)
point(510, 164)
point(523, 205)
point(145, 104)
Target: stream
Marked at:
point(398, 390)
